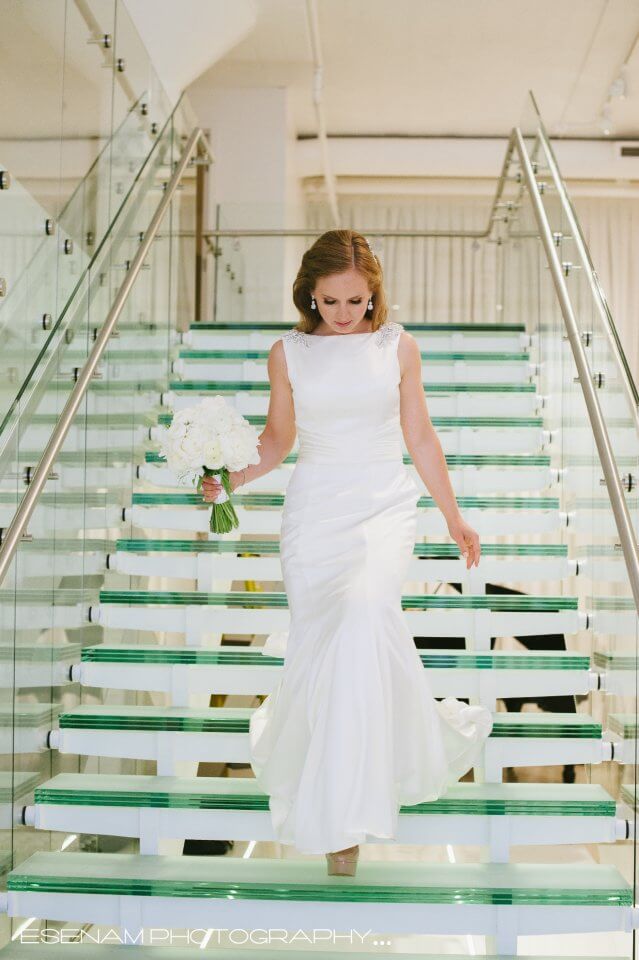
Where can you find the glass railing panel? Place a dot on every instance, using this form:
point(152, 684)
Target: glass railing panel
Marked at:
point(28, 374)
point(87, 121)
point(58, 572)
point(615, 625)
point(134, 73)
point(446, 273)
point(48, 595)
point(603, 584)
point(15, 788)
point(46, 247)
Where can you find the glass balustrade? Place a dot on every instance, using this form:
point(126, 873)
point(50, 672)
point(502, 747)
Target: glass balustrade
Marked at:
point(84, 172)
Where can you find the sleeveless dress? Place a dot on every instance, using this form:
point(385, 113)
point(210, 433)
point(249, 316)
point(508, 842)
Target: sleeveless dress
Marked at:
point(352, 730)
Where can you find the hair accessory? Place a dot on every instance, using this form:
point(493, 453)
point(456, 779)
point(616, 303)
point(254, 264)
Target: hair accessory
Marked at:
point(371, 249)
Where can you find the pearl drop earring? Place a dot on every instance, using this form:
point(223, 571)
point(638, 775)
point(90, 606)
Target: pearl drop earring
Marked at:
point(370, 303)
point(313, 304)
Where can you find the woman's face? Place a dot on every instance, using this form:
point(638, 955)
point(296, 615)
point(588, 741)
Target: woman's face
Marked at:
point(342, 299)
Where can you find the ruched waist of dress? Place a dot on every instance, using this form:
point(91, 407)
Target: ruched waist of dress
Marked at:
point(325, 452)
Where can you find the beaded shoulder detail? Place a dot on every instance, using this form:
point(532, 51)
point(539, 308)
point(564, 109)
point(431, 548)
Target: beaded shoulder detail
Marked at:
point(387, 332)
point(297, 336)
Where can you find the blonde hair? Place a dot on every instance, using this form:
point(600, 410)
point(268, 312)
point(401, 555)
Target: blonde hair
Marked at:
point(334, 252)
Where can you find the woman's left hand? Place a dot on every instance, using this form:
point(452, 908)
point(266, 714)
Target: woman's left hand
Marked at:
point(466, 539)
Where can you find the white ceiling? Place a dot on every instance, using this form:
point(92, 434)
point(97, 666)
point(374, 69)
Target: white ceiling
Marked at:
point(182, 45)
point(445, 67)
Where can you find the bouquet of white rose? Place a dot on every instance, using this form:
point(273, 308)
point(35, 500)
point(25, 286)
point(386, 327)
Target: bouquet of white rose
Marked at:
point(209, 439)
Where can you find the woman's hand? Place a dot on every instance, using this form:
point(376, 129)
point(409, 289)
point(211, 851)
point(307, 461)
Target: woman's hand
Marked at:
point(466, 539)
point(212, 488)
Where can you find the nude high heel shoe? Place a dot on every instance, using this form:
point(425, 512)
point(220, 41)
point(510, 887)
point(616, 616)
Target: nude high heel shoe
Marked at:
point(343, 863)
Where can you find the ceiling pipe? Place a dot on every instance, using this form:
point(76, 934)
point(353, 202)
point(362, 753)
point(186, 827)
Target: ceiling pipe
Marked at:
point(316, 53)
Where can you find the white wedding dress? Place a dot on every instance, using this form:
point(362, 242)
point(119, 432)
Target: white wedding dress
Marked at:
point(352, 729)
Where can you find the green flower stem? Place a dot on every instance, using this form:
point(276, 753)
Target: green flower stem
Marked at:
point(223, 515)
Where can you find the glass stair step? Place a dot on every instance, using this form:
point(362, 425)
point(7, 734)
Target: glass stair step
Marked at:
point(65, 510)
point(490, 439)
point(477, 617)
point(37, 608)
point(525, 480)
point(125, 418)
point(215, 363)
point(16, 785)
point(71, 545)
point(217, 807)
point(238, 793)
point(444, 403)
point(236, 720)
point(413, 327)
point(288, 881)
point(122, 951)
point(625, 725)
point(272, 548)
point(259, 560)
point(278, 599)
point(444, 338)
point(613, 603)
point(174, 736)
point(452, 459)
point(432, 659)
point(184, 672)
point(24, 727)
point(145, 331)
point(622, 730)
point(53, 596)
point(491, 515)
point(113, 385)
point(71, 498)
point(28, 714)
point(432, 356)
point(263, 386)
point(277, 500)
point(39, 654)
point(628, 794)
point(259, 420)
point(127, 354)
point(73, 557)
point(108, 457)
point(40, 665)
point(66, 516)
point(615, 615)
point(617, 672)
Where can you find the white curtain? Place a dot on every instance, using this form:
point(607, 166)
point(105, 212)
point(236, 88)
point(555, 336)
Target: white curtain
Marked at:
point(443, 280)
point(611, 230)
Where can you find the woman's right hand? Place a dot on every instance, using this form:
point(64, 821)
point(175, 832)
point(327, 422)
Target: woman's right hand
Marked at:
point(211, 488)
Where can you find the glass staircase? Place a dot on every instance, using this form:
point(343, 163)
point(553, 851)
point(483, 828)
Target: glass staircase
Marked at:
point(135, 644)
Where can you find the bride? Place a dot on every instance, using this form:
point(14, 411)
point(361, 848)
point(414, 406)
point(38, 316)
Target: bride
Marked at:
point(352, 730)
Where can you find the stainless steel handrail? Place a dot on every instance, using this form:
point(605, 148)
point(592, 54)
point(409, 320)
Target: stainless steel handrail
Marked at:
point(471, 234)
point(629, 386)
point(28, 503)
point(602, 439)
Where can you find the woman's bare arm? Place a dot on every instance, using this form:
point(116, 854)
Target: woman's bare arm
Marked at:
point(425, 448)
point(277, 437)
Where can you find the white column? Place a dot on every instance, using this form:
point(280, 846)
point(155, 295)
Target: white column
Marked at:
point(254, 181)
